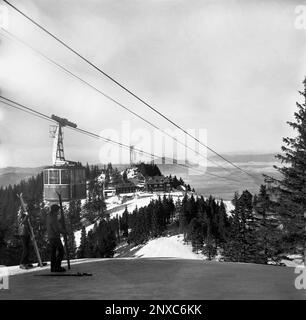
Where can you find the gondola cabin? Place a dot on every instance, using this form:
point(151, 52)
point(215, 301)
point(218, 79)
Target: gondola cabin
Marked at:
point(69, 181)
point(66, 178)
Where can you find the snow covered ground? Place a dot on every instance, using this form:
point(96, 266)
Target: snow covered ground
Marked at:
point(293, 260)
point(168, 247)
point(14, 270)
point(174, 247)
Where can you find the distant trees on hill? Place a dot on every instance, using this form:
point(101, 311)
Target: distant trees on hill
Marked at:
point(148, 170)
point(175, 182)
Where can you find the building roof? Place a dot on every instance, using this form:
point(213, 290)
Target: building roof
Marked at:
point(125, 185)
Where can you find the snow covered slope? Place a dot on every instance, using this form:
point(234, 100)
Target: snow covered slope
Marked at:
point(168, 247)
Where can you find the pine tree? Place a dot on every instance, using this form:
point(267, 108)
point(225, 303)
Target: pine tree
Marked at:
point(196, 234)
point(74, 214)
point(72, 245)
point(95, 207)
point(124, 176)
point(268, 234)
point(292, 185)
point(242, 243)
point(156, 224)
point(83, 248)
point(222, 225)
point(124, 222)
point(106, 239)
point(209, 228)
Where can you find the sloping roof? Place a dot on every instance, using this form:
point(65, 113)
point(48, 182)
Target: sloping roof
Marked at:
point(125, 185)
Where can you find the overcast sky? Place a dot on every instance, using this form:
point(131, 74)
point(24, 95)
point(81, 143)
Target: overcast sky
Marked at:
point(231, 67)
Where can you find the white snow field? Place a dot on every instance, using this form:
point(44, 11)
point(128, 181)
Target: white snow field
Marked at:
point(174, 247)
point(168, 247)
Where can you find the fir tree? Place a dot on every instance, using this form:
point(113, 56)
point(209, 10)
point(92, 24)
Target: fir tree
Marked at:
point(268, 232)
point(74, 214)
point(223, 224)
point(106, 239)
point(124, 176)
point(196, 234)
point(242, 243)
point(124, 223)
point(292, 185)
point(83, 248)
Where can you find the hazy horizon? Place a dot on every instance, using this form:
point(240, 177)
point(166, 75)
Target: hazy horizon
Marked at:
point(230, 155)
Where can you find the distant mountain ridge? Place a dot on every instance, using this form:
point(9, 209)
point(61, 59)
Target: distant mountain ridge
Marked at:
point(242, 158)
point(13, 175)
point(255, 163)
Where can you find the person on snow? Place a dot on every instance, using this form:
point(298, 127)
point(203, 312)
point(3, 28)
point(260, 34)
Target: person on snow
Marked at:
point(54, 230)
point(24, 233)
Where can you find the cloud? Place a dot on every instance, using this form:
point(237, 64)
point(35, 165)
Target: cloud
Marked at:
point(232, 67)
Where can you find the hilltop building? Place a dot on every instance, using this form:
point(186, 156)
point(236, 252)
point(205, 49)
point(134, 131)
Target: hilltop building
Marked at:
point(158, 183)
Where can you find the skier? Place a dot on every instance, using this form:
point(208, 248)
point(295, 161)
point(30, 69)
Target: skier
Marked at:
point(54, 230)
point(24, 233)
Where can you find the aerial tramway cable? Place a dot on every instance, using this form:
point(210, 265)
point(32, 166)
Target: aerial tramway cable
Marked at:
point(125, 88)
point(33, 112)
point(9, 35)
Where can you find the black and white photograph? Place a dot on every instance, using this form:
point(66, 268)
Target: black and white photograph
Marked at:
point(153, 150)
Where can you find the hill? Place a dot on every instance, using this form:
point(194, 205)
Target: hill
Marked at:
point(13, 175)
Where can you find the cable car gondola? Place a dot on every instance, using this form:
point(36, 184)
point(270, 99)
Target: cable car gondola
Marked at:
point(66, 178)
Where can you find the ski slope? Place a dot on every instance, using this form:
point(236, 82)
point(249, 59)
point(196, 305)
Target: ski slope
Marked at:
point(168, 247)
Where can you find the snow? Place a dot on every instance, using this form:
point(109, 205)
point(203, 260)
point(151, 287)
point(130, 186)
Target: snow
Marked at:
point(130, 172)
point(293, 260)
point(15, 270)
point(169, 247)
point(116, 205)
point(229, 207)
point(101, 178)
point(77, 234)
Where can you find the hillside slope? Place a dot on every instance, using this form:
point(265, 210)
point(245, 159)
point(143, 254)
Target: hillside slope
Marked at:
point(13, 175)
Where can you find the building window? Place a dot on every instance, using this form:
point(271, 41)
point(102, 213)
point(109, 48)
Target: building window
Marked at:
point(46, 177)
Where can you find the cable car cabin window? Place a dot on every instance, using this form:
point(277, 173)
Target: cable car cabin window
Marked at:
point(46, 177)
point(53, 176)
point(65, 176)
